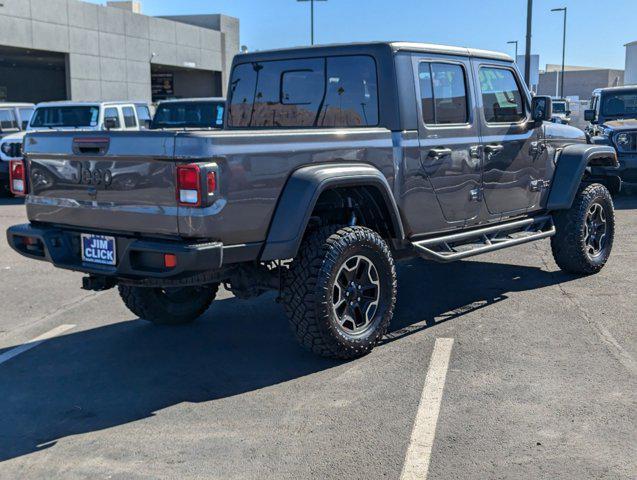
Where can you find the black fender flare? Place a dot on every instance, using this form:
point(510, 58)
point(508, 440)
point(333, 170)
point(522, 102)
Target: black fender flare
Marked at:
point(301, 193)
point(571, 164)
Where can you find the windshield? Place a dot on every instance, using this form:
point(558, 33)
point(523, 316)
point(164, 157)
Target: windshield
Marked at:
point(559, 107)
point(189, 115)
point(620, 105)
point(74, 117)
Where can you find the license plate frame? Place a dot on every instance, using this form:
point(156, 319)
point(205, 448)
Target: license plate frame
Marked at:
point(99, 249)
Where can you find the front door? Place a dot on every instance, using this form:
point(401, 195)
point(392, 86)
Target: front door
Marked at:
point(450, 152)
point(512, 143)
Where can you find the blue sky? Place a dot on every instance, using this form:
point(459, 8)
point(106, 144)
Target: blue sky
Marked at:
point(597, 30)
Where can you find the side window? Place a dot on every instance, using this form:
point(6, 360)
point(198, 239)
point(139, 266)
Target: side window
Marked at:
point(501, 97)
point(111, 113)
point(288, 93)
point(143, 114)
point(325, 92)
point(129, 117)
point(8, 120)
point(351, 98)
point(25, 117)
point(443, 92)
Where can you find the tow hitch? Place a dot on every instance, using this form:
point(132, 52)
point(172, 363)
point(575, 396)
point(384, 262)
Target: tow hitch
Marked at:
point(98, 284)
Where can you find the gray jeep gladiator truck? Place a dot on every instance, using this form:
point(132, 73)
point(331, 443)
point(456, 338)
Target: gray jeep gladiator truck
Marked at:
point(613, 121)
point(333, 162)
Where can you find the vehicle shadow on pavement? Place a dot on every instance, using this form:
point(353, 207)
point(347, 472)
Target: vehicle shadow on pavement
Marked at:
point(625, 202)
point(11, 201)
point(126, 371)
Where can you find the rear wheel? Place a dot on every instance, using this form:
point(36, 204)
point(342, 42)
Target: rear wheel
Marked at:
point(585, 232)
point(168, 306)
point(340, 291)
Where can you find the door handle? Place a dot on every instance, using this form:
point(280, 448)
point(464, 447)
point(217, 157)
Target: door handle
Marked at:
point(493, 148)
point(439, 152)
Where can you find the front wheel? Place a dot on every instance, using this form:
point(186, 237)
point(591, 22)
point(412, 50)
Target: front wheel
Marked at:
point(168, 306)
point(340, 291)
point(585, 232)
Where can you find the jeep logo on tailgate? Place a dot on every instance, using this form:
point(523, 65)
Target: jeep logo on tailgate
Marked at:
point(97, 176)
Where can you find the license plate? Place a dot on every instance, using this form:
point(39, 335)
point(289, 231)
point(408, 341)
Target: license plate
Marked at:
point(98, 249)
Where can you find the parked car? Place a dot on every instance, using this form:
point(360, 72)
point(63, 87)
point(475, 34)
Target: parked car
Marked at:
point(561, 111)
point(194, 113)
point(333, 163)
point(14, 118)
point(612, 121)
point(72, 116)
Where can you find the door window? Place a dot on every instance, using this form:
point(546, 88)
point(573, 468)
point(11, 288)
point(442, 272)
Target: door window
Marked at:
point(143, 113)
point(129, 117)
point(8, 120)
point(443, 93)
point(111, 113)
point(25, 116)
point(501, 97)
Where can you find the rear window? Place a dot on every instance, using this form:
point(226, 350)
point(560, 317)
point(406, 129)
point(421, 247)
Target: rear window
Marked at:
point(189, 115)
point(55, 117)
point(7, 120)
point(25, 116)
point(328, 92)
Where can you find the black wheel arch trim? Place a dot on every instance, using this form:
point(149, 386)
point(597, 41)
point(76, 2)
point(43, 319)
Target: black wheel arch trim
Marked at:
point(571, 164)
point(300, 194)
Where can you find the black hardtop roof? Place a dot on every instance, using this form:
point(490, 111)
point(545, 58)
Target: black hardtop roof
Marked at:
point(378, 48)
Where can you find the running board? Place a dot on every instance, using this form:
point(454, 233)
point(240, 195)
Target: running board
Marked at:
point(457, 246)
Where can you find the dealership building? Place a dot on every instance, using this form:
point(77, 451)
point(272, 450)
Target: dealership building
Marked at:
point(73, 50)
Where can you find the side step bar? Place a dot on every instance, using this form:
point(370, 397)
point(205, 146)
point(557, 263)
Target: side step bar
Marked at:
point(489, 239)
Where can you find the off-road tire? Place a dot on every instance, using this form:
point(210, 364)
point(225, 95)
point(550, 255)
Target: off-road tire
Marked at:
point(569, 247)
point(309, 286)
point(175, 306)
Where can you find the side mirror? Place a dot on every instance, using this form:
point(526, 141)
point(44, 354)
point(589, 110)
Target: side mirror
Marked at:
point(110, 123)
point(568, 113)
point(541, 108)
point(590, 115)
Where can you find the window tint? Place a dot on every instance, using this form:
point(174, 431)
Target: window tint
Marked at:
point(7, 120)
point(25, 116)
point(129, 117)
point(351, 98)
point(54, 117)
point(620, 104)
point(501, 97)
point(189, 115)
point(294, 93)
point(444, 93)
point(111, 113)
point(143, 115)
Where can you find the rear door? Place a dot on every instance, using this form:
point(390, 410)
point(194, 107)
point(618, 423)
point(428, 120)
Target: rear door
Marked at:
point(448, 134)
point(512, 144)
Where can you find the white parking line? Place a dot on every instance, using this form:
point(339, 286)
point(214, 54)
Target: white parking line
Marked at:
point(35, 342)
point(416, 465)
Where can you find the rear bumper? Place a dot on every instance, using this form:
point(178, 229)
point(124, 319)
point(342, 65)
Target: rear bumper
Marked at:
point(136, 258)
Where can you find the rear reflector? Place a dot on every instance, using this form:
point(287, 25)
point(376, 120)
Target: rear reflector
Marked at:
point(170, 260)
point(189, 185)
point(17, 176)
point(212, 182)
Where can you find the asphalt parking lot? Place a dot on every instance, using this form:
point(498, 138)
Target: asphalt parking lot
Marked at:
point(534, 373)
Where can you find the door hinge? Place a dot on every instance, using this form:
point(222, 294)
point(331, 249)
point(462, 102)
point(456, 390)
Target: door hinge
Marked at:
point(475, 195)
point(538, 185)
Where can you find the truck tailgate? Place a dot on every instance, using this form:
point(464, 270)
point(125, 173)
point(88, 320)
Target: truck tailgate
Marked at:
point(112, 181)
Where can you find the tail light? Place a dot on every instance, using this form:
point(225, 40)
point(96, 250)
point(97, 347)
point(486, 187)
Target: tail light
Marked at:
point(189, 185)
point(17, 177)
point(195, 184)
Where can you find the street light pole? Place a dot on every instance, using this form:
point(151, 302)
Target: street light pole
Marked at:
point(311, 16)
point(529, 28)
point(516, 48)
point(564, 9)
